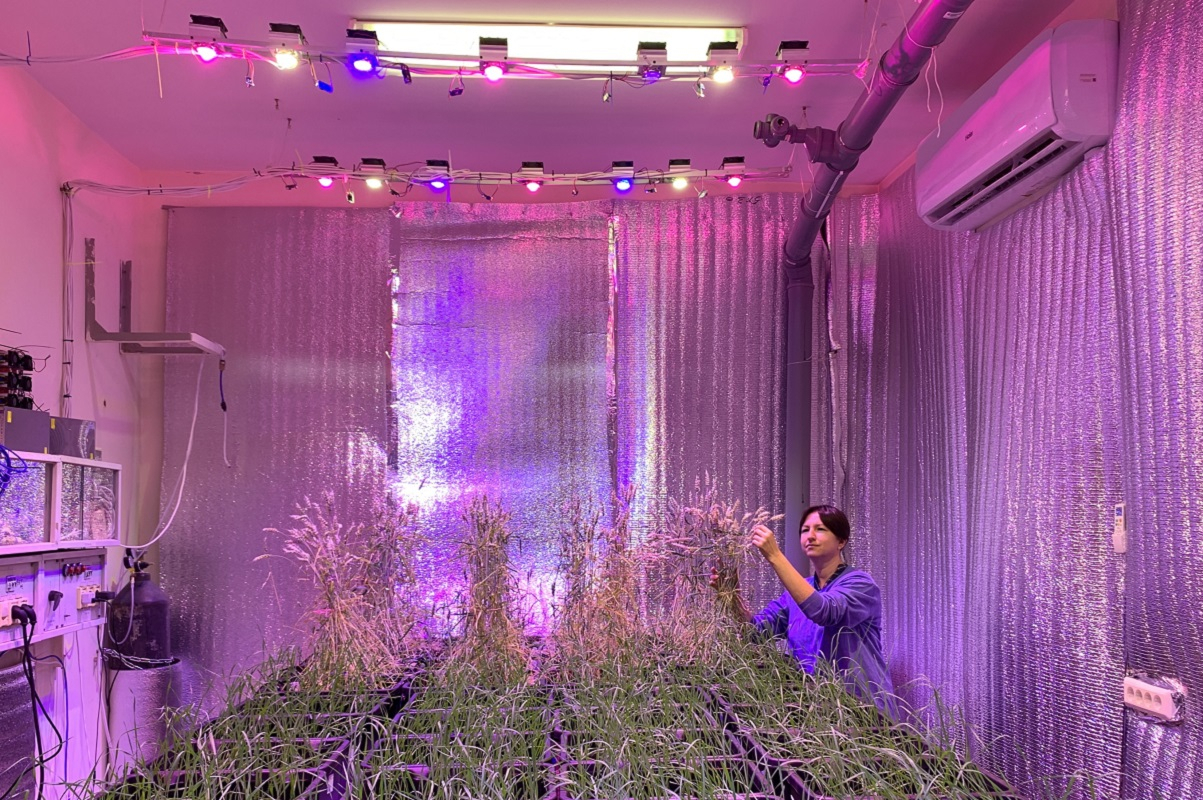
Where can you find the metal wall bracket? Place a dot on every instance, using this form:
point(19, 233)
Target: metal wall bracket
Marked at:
point(157, 343)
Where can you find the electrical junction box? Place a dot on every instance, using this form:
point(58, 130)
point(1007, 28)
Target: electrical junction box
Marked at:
point(22, 429)
point(73, 437)
point(68, 590)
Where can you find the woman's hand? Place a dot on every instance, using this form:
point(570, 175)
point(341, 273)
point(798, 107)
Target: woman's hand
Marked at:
point(764, 540)
point(726, 583)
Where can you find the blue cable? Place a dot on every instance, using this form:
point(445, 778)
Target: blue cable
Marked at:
point(7, 469)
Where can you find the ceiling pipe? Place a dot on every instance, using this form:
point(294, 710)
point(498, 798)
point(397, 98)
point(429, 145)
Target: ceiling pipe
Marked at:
point(839, 151)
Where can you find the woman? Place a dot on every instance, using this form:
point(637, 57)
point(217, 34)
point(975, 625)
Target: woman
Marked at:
point(834, 615)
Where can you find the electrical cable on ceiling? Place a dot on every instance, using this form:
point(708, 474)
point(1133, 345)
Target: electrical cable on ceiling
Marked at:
point(9, 60)
point(419, 176)
point(172, 45)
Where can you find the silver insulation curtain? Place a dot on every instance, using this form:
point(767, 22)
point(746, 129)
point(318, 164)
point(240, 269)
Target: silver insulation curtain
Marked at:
point(1155, 185)
point(537, 353)
point(700, 314)
point(18, 748)
point(500, 371)
point(991, 396)
point(300, 300)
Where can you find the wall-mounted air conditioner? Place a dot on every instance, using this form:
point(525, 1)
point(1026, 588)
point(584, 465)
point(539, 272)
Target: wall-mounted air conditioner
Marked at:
point(1028, 126)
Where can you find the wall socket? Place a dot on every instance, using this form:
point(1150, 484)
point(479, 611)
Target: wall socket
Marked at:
point(1151, 699)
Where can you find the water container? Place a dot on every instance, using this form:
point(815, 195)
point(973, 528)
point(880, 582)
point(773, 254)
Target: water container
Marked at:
point(149, 637)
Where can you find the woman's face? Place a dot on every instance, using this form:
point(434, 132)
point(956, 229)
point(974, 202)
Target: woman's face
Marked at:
point(818, 542)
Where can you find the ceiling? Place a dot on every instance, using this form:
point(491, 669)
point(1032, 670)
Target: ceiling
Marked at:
point(208, 120)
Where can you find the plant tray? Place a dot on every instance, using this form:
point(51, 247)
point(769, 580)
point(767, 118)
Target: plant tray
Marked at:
point(496, 748)
point(253, 785)
point(679, 742)
point(804, 780)
point(710, 777)
point(506, 781)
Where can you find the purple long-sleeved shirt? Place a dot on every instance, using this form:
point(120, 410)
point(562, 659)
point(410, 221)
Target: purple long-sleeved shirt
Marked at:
point(840, 623)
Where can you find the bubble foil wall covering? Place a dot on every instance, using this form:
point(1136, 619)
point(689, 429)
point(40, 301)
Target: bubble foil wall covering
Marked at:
point(18, 747)
point(701, 354)
point(1155, 185)
point(500, 374)
point(300, 300)
point(992, 395)
point(528, 353)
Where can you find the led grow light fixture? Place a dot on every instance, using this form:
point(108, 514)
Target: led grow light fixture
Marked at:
point(675, 167)
point(286, 40)
point(493, 53)
point(325, 163)
point(205, 31)
point(720, 55)
point(624, 175)
point(374, 168)
point(439, 173)
point(793, 55)
point(733, 170)
point(531, 175)
point(362, 46)
point(653, 55)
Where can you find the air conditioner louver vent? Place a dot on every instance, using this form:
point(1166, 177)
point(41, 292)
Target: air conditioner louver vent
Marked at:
point(1002, 178)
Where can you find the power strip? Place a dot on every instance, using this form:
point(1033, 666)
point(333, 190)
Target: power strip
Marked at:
point(1149, 698)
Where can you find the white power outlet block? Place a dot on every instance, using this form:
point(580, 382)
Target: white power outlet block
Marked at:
point(1148, 698)
point(7, 603)
point(85, 596)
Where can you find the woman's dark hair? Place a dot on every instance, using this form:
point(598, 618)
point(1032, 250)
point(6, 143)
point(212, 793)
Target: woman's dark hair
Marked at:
point(835, 520)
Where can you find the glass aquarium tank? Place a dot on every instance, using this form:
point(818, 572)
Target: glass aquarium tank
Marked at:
point(25, 503)
point(89, 503)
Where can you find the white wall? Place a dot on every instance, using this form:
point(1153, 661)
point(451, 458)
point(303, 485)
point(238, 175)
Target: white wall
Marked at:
point(44, 146)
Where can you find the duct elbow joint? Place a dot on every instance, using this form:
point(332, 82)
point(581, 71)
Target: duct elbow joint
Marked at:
point(825, 146)
point(773, 130)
